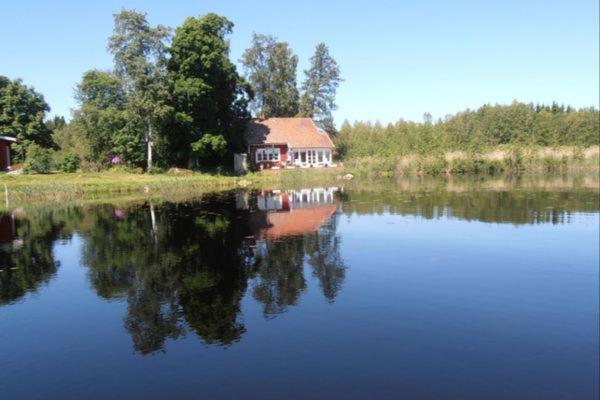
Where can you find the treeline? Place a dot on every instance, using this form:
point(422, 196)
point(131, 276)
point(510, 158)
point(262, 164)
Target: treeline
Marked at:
point(474, 131)
point(173, 98)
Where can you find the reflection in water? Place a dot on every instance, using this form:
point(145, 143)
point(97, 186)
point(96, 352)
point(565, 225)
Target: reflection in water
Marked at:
point(289, 228)
point(25, 264)
point(185, 267)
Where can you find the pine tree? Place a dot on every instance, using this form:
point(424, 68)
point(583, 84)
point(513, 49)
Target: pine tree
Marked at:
point(320, 87)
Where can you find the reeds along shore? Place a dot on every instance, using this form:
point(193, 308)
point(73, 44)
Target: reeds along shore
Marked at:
point(497, 160)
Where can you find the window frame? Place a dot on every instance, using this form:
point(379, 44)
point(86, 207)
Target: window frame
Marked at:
point(268, 154)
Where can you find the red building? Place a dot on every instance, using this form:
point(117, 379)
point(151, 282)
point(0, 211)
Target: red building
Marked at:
point(5, 142)
point(288, 143)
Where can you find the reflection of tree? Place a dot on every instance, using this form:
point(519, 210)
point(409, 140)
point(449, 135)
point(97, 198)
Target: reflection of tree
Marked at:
point(505, 202)
point(175, 262)
point(279, 270)
point(280, 277)
point(323, 250)
point(29, 263)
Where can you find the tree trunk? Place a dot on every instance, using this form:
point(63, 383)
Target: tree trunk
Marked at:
point(150, 144)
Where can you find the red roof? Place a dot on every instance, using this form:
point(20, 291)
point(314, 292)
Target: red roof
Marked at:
point(295, 132)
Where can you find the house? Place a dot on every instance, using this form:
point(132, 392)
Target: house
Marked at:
point(5, 142)
point(288, 143)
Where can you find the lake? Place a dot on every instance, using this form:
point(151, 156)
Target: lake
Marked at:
point(424, 288)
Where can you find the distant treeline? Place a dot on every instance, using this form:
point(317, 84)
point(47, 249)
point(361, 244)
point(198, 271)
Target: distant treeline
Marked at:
point(474, 131)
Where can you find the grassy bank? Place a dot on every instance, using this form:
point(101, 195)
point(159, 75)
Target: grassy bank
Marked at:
point(24, 189)
point(493, 161)
point(20, 189)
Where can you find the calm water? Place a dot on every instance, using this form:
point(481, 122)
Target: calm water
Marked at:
point(415, 291)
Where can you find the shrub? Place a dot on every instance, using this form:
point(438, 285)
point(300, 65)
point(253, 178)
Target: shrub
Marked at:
point(38, 160)
point(69, 162)
point(90, 166)
point(210, 148)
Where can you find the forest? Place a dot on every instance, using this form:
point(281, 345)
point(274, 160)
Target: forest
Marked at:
point(493, 138)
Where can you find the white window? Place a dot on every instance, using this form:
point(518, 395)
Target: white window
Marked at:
point(268, 154)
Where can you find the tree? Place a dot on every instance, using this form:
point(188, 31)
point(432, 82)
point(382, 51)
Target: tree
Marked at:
point(102, 116)
point(139, 52)
point(22, 112)
point(319, 88)
point(209, 98)
point(271, 70)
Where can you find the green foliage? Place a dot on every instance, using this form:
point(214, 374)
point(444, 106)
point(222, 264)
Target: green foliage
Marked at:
point(208, 95)
point(271, 70)
point(139, 52)
point(102, 117)
point(517, 125)
point(319, 88)
point(71, 138)
point(69, 162)
point(209, 148)
point(22, 112)
point(38, 161)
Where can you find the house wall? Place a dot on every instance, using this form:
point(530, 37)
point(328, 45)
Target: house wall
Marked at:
point(4, 156)
point(283, 155)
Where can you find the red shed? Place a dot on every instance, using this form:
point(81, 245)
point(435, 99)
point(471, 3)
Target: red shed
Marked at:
point(5, 142)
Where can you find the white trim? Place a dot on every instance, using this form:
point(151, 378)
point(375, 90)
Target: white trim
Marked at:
point(268, 154)
point(8, 139)
point(311, 157)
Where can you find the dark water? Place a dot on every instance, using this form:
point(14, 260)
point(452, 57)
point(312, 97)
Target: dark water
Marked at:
point(413, 292)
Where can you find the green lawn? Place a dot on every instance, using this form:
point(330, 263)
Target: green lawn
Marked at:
point(24, 189)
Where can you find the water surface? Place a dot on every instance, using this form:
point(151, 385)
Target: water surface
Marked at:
point(479, 290)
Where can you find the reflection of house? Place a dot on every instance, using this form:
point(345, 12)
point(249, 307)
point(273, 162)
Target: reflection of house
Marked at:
point(293, 212)
point(297, 222)
point(5, 142)
point(288, 142)
point(276, 200)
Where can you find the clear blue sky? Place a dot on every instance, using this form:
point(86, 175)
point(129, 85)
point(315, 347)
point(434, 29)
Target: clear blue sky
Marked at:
point(399, 59)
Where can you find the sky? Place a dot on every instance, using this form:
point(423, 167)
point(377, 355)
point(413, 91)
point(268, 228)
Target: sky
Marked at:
point(399, 59)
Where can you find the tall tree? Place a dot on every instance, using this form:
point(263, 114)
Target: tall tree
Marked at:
point(319, 88)
point(271, 69)
point(139, 51)
point(102, 116)
point(22, 112)
point(209, 97)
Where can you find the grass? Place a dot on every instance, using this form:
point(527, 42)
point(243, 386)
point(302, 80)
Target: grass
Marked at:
point(500, 160)
point(24, 189)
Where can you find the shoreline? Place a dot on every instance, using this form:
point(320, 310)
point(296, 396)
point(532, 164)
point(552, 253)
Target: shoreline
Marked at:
point(58, 186)
point(111, 187)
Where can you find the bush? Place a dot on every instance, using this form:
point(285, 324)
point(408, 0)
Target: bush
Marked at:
point(90, 166)
point(210, 148)
point(38, 160)
point(69, 162)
